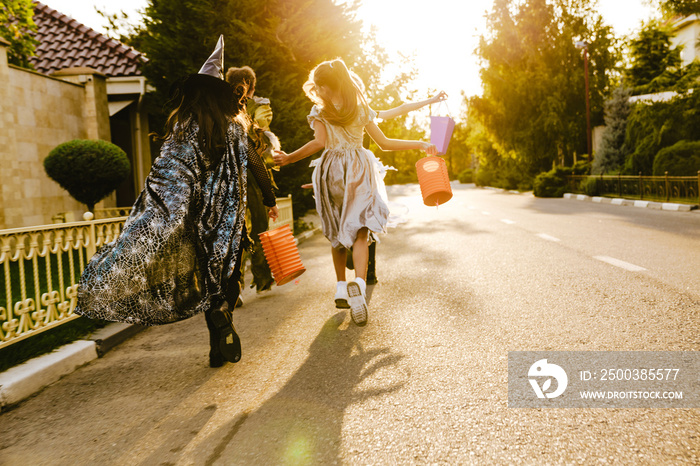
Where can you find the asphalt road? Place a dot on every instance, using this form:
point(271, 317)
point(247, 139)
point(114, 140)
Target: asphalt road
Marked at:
point(426, 380)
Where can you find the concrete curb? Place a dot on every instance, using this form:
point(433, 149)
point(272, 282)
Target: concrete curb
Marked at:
point(630, 202)
point(21, 382)
point(110, 336)
point(300, 238)
point(25, 380)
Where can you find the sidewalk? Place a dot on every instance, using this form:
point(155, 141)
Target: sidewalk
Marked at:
point(669, 206)
point(25, 380)
point(634, 203)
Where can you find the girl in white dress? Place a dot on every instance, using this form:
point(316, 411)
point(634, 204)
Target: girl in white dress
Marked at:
point(347, 179)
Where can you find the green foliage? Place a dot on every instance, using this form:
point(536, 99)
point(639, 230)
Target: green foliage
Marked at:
point(655, 65)
point(484, 177)
point(680, 7)
point(88, 169)
point(554, 183)
point(680, 159)
point(17, 27)
point(590, 187)
point(550, 184)
point(466, 176)
point(282, 40)
point(534, 103)
point(611, 154)
point(652, 127)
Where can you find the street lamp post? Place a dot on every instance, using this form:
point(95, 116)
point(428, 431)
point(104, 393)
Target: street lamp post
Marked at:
point(589, 140)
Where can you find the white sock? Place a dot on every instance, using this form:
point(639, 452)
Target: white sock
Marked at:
point(343, 284)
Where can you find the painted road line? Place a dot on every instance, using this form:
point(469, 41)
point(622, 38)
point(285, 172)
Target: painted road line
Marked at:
point(547, 237)
point(619, 263)
point(507, 222)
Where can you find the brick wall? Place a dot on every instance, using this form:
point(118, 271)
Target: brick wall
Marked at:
point(38, 112)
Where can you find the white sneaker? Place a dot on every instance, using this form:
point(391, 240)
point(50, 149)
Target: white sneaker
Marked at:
point(358, 305)
point(341, 295)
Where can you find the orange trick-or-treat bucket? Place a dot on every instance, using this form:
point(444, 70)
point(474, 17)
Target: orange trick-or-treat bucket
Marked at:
point(282, 254)
point(434, 180)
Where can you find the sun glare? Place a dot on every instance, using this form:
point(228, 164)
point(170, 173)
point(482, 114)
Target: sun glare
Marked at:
point(440, 36)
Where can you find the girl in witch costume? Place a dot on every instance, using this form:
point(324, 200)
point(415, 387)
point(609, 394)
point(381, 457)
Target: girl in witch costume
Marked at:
point(178, 253)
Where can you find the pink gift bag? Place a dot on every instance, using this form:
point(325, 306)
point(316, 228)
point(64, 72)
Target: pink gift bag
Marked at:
point(441, 128)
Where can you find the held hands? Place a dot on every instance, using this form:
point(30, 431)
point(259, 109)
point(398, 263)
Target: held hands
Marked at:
point(281, 158)
point(273, 212)
point(429, 148)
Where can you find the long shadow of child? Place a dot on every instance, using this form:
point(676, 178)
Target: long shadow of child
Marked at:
point(303, 422)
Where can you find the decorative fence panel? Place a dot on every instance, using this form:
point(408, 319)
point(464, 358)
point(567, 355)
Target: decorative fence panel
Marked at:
point(40, 268)
point(682, 189)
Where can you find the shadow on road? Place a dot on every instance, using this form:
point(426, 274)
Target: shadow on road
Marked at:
point(303, 421)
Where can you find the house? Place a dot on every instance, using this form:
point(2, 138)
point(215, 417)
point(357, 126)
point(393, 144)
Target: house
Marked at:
point(84, 85)
point(686, 33)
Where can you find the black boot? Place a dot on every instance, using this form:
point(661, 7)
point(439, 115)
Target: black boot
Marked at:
point(229, 344)
point(371, 265)
point(216, 359)
point(349, 263)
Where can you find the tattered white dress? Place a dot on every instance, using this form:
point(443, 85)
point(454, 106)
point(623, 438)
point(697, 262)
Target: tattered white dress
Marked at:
point(348, 182)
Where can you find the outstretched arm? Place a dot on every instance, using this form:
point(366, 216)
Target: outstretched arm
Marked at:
point(410, 106)
point(385, 143)
point(281, 158)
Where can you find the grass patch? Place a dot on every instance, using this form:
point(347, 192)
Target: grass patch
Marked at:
point(47, 341)
point(41, 273)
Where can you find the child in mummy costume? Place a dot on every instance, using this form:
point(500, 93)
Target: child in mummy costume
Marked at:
point(179, 251)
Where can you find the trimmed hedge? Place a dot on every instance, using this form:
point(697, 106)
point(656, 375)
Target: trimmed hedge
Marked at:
point(89, 169)
point(467, 176)
point(553, 183)
point(680, 159)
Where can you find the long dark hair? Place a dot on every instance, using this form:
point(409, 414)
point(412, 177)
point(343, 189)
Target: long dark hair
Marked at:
point(212, 104)
point(335, 75)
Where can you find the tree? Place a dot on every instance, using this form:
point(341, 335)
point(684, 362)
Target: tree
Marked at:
point(17, 26)
point(681, 7)
point(88, 169)
point(533, 106)
point(655, 66)
point(282, 40)
point(611, 154)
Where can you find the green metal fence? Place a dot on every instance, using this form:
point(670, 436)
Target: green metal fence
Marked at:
point(680, 189)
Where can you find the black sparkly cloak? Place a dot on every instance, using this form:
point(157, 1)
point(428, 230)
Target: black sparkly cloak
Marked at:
point(181, 243)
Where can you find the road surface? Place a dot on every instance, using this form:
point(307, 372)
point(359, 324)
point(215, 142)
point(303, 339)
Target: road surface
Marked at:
point(426, 380)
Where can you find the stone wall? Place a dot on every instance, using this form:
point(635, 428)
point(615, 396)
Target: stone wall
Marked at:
point(38, 112)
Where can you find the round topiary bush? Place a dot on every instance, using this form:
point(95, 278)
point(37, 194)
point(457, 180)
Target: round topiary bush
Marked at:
point(552, 183)
point(680, 159)
point(466, 176)
point(89, 169)
point(548, 184)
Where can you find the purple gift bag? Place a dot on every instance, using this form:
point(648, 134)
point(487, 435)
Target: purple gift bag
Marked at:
point(441, 128)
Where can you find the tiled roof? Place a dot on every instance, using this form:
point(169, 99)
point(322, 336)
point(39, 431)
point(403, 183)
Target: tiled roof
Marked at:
point(66, 43)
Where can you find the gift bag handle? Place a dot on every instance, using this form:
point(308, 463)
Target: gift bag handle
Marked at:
point(438, 107)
